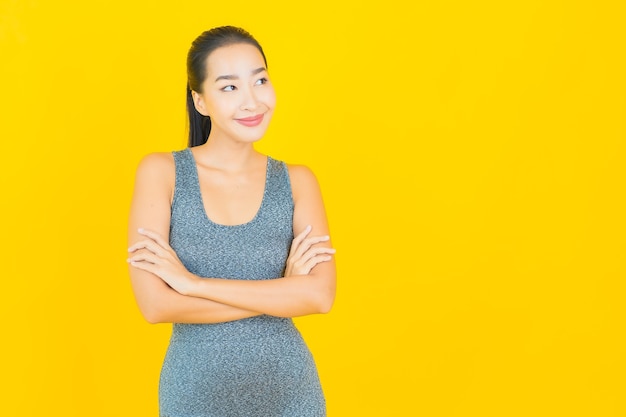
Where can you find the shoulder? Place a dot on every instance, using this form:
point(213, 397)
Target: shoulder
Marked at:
point(156, 167)
point(303, 180)
point(300, 173)
point(156, 162)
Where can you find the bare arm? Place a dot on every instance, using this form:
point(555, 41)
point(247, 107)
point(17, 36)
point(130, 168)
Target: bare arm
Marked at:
point(150, 208)
point(294, 295)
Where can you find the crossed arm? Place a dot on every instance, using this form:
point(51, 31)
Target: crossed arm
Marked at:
point(166, 292)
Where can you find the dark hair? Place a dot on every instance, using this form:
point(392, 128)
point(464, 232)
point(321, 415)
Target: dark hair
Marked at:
point(201, 48)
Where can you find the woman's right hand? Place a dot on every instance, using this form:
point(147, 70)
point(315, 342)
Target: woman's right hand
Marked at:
point(304, 254)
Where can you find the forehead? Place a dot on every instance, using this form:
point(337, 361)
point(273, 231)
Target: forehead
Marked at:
point(234, 59)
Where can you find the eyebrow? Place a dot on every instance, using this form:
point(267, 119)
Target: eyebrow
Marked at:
point(235, 77)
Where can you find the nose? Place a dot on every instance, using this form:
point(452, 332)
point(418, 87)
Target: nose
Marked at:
point(249, 100)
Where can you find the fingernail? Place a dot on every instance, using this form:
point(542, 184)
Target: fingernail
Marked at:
point(140, 230)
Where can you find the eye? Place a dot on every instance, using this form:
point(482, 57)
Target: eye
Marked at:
point(261, 81)
point(229, 88)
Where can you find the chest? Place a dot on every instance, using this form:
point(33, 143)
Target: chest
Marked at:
point(232, 227)
point(231, 199)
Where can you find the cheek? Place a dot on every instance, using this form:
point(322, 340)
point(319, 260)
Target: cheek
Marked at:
point(269, 97)
point(221, 104)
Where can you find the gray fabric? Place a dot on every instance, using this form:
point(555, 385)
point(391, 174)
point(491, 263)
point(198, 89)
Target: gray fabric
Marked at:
point(258, 366)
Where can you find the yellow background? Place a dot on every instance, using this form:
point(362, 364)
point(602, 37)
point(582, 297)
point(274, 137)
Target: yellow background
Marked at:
point(471, 155)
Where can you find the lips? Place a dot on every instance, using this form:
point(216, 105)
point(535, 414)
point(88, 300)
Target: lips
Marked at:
point(251, 121)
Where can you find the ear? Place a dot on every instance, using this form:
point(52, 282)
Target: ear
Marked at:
point(198, 103)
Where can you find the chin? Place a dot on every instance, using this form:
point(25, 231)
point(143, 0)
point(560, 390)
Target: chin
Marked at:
point(252, 136)
point(249, 138)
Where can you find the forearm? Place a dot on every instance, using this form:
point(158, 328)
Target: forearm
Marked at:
point(291, 296)
point(197, 310)
point(160, 304)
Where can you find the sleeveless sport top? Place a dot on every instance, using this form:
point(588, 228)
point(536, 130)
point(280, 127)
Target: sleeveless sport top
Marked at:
point(258, 366)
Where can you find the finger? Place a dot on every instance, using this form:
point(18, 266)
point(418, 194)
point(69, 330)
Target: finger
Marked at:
point(298, 239)
point(310, 264)
point(311, 253)
point(318, 250)
point(142, 244)
point(313, 240)
point(307, 243)
point(149, 245)
point(145, 266)
point(314, 254)
point(144, 257)
point(156, 237)
point(302, 242)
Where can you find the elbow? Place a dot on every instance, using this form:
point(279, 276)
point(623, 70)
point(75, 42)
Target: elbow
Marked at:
point(314, 303)
point(325, 303)
point(153, 304)
point(325, 307)
point(152, 314)
point(152, 318)
point(325, 296)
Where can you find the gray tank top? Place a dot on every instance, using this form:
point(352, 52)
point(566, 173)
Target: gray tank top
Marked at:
point(256, 250)
point(258, 366)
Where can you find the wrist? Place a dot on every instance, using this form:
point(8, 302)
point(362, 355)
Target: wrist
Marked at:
point(194, 285)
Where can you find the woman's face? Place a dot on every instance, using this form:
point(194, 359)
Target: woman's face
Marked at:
point(237, 93)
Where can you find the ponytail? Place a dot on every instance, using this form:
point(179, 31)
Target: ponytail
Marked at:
point(199, 125)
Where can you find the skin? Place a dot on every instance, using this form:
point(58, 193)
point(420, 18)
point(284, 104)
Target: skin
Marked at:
point(232, 173)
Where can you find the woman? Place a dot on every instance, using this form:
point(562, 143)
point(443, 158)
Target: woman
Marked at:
point(213, 250)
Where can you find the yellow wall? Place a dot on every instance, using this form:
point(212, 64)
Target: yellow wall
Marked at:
point(471, 155)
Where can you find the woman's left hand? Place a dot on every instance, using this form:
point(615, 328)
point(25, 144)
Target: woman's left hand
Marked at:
point(155, 255)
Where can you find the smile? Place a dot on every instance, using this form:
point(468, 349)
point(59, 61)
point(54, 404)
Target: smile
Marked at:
point(251, 121)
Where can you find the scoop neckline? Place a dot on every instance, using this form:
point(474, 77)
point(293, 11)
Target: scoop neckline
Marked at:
point(201, 197)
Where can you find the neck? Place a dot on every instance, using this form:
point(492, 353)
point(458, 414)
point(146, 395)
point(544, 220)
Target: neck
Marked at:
point(226, 155)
